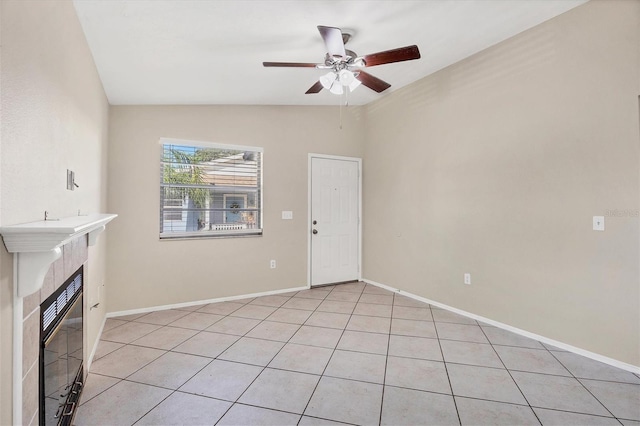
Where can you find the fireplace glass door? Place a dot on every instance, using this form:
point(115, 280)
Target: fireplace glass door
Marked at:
point(61, 361)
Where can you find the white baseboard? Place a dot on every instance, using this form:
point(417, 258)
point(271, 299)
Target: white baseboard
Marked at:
point(95, 346)
point(200, 302)
point(597, 357)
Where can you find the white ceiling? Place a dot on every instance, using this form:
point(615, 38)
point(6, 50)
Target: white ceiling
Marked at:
point(211, 51)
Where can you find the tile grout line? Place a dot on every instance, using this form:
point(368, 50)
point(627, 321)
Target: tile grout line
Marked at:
point(567, 411)
point(147, 384)
point(125, 345)
point(386, 360)
point(331, 357)
point(334, 349)
point(455, 404)
point(173, 391)
point(585, 387)
point(104, 390)
point(544, 348)
point(511, 375)
point(153, 408)
point(263, 368)
point(579, 413)
point(276, 354)
point(145, 365)
point(205, 366)
point(228, 315)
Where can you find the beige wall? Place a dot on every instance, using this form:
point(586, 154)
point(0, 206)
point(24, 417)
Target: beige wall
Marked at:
point(144, 271)
point(5, 299)
point(503, 159)
point(495, 167)
point(6, 336)
point(54, 117)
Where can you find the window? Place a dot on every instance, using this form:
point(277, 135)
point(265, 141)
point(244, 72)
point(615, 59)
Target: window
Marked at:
point(173, 208)
point(209, 190)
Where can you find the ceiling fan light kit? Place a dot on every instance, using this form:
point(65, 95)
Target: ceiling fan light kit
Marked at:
point(335, 82)
point(327, 80)
point(344, 65)
point(336, 89)
point(346, 77)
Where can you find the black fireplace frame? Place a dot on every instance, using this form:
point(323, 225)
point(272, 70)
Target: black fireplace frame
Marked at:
point(69, 294)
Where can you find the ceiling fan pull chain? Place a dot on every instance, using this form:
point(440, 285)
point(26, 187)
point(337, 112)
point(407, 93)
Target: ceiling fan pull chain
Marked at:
point(341, 113)
point(340, 109)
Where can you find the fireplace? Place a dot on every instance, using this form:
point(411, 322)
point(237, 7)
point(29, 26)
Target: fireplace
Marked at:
point(47, 255)
point(61, 352)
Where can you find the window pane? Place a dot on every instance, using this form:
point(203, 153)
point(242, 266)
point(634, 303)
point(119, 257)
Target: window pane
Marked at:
point(210, 191)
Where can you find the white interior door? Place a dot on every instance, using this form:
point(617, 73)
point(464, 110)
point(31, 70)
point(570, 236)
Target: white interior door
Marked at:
point(335, 211)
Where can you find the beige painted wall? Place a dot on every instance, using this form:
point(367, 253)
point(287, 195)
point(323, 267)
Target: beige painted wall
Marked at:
point(5, 298)
point(6, 336)
point(144, 271)
point(495, 167)
point(54, 117)
point(503, 157)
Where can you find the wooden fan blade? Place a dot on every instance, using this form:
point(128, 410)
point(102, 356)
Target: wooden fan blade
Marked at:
point(406, 53)
point(333, 40)
point(373, 83)
point(288, 64)
point(316, 88)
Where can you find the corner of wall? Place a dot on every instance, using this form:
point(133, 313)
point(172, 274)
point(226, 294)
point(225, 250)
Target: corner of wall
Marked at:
point(6, 336)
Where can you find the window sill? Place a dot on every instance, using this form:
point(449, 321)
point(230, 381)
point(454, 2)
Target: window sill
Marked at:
point(210, 235)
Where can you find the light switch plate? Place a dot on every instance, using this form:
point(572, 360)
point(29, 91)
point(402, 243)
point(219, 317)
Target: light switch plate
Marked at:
point(287, 214)
point(598, 223)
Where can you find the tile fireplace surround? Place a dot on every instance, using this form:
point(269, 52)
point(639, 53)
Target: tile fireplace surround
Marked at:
point(45, 254)
point(74, 255)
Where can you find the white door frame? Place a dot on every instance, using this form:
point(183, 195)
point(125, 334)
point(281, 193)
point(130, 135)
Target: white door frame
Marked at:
point(309, 228)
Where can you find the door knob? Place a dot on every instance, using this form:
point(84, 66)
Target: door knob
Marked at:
point(315, 222)
point(315, 231)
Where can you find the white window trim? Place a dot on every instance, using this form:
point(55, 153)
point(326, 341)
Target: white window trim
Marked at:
point(203, 144)
point(176, 236)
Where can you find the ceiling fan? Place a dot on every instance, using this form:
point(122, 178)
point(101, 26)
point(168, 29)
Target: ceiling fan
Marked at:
point(345, 66)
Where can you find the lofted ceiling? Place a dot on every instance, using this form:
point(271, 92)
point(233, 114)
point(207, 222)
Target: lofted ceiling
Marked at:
point(151, 52)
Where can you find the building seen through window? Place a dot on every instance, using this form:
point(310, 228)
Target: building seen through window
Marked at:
point(210, 190)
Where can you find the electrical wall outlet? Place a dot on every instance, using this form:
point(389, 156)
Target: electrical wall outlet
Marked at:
point(467, 279)
point(287, 214)
point(598, 223)
point(272, 264)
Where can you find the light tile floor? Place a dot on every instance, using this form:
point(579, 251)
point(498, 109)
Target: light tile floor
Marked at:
point(351, 353)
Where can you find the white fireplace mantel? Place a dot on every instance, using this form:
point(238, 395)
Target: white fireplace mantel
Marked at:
point(38, 244)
